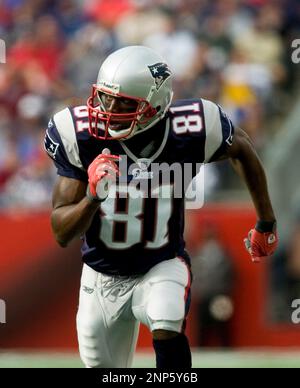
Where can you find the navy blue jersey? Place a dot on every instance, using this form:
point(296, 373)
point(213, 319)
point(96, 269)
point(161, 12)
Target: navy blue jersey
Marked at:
point(131, 232)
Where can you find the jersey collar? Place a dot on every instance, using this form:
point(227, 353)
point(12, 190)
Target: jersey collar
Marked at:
point(135, 158)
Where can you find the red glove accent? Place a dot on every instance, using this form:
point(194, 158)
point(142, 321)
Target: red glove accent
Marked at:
point(102, 166)
point(261, 245)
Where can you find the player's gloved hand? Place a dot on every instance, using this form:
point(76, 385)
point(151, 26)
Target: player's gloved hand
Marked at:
point(102, 173)
point(262, 241)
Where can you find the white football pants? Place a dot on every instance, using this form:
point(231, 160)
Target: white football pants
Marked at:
point(111, 307)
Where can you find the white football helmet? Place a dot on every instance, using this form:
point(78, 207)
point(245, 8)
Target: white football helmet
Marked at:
point(137, 73)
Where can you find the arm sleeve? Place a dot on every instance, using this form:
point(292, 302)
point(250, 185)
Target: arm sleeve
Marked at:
point(54, 147)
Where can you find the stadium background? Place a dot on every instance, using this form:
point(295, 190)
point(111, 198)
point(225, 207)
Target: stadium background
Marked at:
point(235, 52)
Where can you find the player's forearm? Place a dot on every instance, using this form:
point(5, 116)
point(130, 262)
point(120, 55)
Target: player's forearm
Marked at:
point(254, 176)
point(248, 165)
point(72, 221)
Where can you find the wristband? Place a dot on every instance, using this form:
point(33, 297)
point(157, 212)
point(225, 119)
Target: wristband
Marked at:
point(91, 197)
point(266, 226)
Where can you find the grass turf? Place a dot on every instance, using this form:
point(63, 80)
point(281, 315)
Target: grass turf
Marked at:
point(201, 359)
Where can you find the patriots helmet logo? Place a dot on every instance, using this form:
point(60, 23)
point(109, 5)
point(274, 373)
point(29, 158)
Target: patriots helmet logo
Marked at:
point(160, 72)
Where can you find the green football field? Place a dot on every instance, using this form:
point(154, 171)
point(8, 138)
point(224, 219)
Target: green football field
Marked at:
point(201, 359)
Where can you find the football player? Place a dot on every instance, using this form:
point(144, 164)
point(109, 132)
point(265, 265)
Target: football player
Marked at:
point(135, 267)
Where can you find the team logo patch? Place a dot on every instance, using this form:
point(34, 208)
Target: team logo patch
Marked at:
point(50, 145)
point(160, 72)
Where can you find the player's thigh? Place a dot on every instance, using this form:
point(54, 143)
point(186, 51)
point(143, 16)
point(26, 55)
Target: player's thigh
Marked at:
point(104, 341)
point(161, 300)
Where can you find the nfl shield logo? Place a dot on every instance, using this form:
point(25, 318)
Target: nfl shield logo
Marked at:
point(144, 163)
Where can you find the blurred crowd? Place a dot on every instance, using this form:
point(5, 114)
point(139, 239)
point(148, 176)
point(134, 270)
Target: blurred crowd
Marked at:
point(235, 52)
point(212, 288)
point(285, 275)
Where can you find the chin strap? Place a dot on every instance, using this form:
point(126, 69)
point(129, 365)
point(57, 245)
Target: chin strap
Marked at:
point(150, 125)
